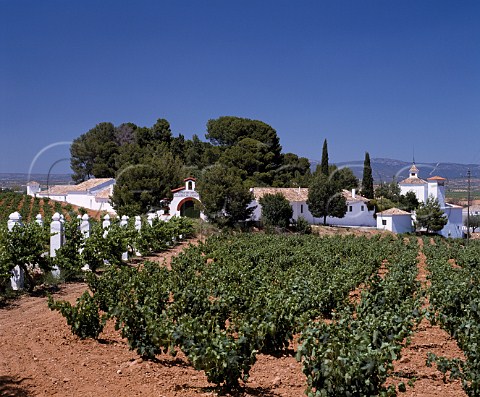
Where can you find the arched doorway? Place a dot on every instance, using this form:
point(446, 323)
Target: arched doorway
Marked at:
point(189, 208)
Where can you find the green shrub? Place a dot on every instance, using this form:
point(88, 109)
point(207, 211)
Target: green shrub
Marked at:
point(84, 318)
point(303, 227)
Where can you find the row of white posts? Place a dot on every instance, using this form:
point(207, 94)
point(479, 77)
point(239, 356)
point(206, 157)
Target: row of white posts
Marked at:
point(57, 238)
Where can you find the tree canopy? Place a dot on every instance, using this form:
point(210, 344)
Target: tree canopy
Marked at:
point(367, 179)
point(229, 130)
point(93, 153)
point(142, 187)
point(225, 198)
point(325, 197)
point(430, 216)
point(276, 210)
point(387, 195)
point(147, 162)
point(473, 222)
point(324, 163)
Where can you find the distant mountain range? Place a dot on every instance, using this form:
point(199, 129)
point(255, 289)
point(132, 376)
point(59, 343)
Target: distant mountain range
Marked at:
point(385, 169)
point(19, 180)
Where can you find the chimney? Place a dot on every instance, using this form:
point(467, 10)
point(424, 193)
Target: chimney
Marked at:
point(353, 193)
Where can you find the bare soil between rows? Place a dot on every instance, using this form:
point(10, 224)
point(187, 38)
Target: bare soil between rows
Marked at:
point(40, 357)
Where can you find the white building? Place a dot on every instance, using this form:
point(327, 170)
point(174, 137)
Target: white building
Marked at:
point(435, 187)
point(32, 188)
point(186, 201)
point(93, 194)
point(357, 213)
point(414, 184)
point(395, 220)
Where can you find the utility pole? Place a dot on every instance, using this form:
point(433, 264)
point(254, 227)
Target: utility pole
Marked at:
point(468, 207)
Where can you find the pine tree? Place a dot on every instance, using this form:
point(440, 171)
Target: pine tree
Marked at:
point(324, 163)
point(430, 216)
point(367, 180)
point(325, 198)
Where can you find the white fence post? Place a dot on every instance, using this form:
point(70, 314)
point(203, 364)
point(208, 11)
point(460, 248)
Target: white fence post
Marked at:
point(56, 239)
point(85, 226)
point(106, 221)
point(39, 219)
point(85, 230)
point(17, 279)
point(138, 223)
point(124, 223)
point(138, 227)
point(150, 218)
point(106, 224)
point(62, 221)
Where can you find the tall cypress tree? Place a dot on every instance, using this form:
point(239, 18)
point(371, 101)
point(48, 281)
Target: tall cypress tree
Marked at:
point(367, 180)
point(324, 163)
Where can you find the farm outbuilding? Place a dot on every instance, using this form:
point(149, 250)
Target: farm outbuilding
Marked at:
point(395, 220)
point(357, 213)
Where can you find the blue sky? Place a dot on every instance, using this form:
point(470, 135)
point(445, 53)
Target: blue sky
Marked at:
point(380, 76)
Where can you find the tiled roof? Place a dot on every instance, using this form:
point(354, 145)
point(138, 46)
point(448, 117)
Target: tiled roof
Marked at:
point(90, 184)
point(57, 190)
point(412, 181)
point(81, 187)
point(394, 211)
point(436, 178)
point(349, 197)
point(295, 194)
point(33, 183)
point(292, 194)
point(104, 194)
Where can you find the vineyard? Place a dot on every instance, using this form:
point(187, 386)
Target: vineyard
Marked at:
point(227, 300)
point(29, 207)
point(346, 307)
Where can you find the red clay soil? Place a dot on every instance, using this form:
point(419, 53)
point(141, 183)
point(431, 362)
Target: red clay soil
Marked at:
point(40, 203)
point(428, 381)
point(40, 357)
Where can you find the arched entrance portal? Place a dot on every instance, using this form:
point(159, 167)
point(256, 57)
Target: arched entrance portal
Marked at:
point(189, 208)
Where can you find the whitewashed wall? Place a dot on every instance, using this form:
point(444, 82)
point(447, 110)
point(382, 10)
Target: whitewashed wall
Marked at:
point(437, 192)
point(395, 223)
point(420, 191)
point(454, 227)
point(355, 217)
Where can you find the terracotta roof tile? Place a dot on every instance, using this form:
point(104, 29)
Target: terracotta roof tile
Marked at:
point(413, 181)
point(81, 187)
point(436, 178)
point(57, 190)
point(348, 195)
point(292, 194)
point(104, 194)
point(295, 194)
point(90, 184)
point(394, 211)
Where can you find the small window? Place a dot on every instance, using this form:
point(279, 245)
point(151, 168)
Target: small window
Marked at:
point(190, 185)
point(301, 208)
point(362, 208)
point(384, 222)
point(350, 208)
